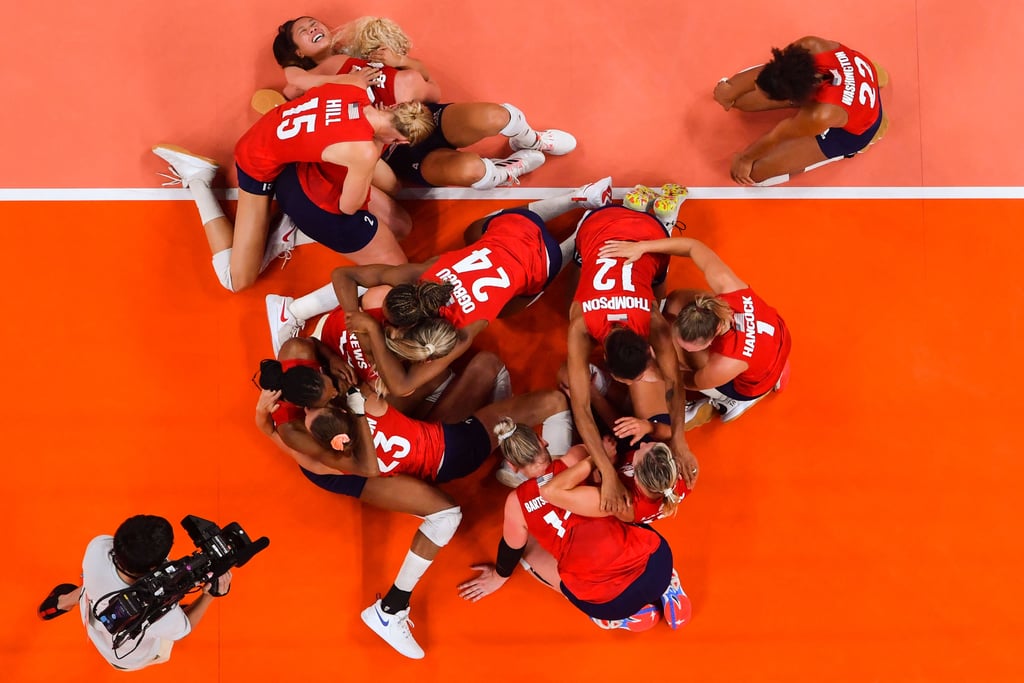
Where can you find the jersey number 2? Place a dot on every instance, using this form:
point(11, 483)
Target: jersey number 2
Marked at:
point(479, 260)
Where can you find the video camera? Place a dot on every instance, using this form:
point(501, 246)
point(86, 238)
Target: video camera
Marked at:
point(126, 614)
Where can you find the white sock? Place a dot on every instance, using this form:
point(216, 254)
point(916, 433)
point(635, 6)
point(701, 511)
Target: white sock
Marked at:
point(493, 176)
point(222, 267)
point(209, 208)
point(557, 431)
point(553, 207)
point(517, 125)
point(315, 303)
point(502, 386)
point(411, 572)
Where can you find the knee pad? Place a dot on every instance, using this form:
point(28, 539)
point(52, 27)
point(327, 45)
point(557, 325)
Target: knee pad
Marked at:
point(222, 267)
point(440, 527)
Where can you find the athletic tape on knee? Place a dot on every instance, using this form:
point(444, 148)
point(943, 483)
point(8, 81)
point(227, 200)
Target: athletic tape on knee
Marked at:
point(222, 267)
point(557, 431)
point(441, 526)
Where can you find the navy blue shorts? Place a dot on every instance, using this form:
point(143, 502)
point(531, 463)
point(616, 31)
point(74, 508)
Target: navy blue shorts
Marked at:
point(251, 185)
point(551, 245)
point(405, 160)
point(343, 233)
point(344, 484)
point(729, 389)
point(647, 589)
point(836, 142)
point(466, 446)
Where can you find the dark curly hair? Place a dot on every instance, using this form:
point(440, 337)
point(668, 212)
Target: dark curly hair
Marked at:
point(791, 75)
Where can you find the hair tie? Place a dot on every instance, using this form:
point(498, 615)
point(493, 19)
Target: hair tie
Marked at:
point(668, 492)
point(430, 348)
point(502, 437)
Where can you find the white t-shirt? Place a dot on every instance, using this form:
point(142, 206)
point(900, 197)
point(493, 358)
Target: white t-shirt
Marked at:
point(99, 577)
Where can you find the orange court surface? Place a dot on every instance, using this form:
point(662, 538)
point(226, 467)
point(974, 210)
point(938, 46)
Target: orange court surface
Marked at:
point(862, 525)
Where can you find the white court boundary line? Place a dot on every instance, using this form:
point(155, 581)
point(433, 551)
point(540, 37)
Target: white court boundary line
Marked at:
point(86, 194)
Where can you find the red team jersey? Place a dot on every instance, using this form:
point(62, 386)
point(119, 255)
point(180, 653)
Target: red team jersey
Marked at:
point(611, 292)
point(759, 337)
point(335, 334)
point(645, 510)
point(300, 130)
point(383, 92)
point(510, 260)
point(854, 87)
point(598, 557)
point(407, 446)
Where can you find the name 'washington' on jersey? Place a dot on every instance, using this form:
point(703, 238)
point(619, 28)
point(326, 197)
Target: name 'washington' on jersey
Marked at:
point(853, 87)
point(300, 130)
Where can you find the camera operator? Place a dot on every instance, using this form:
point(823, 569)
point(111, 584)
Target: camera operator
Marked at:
point(112, 563)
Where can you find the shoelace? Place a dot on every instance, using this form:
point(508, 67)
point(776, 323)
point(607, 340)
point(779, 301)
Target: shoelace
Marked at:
point(287, 256)
point(173, 179)
point(514, 170)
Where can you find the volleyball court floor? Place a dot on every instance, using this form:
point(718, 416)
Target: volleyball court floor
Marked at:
point(862, 525)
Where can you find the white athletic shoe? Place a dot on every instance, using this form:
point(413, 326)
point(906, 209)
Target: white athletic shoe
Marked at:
point(730, 408)
point(698, 412)
point(600, 379)
point(518, 164)
point(283, 325)
point(185, 166)
point(552, 141)
point(280, 241)
point(594, 195)
point(393, 628)
point(666, 207)
point(508, 476)
point(639, 198)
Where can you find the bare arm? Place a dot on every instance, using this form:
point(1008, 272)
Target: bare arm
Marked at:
point(568, 491)
point(347, 278)
point(665, 354)
point(299, 80)
point(719, 370)
point(614, 497)
point(360, 158)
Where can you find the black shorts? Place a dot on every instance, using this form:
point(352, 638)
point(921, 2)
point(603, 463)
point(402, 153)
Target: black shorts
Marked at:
point(836, 142)
point(251, 185)
point(551, 246)
point(466, 447)
point(646, 589)
point(344, 484)
point(341, 232)
point(405, 160)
